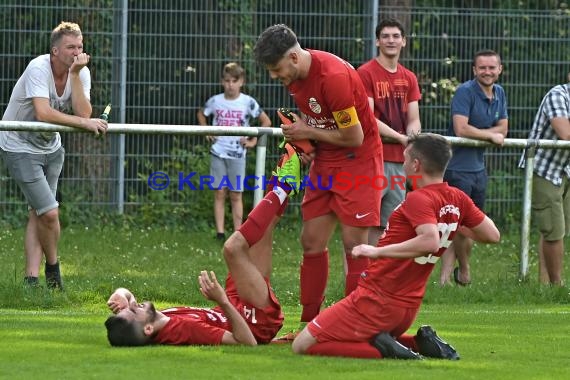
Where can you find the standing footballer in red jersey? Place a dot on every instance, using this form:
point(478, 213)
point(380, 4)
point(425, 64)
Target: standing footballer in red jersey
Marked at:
point(372, 321)
point(335, 113)
point(247, 312)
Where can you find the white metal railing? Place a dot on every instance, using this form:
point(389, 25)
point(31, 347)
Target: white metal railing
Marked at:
point(262, 134)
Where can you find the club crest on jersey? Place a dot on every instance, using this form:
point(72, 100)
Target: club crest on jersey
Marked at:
point(314, 105)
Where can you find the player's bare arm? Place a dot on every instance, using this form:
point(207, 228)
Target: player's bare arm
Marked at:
point(484, 232)
point(264, 120)
point(212, 290)
point(121, 299)
point(46, 114)
point(425, 242)
point(248, 142)
point(463, 129)
point(501, 127)
point(414, 125)
point(202, 120)
point(80, 104)
point(351, 136)
point(251, 141)
point(561, 126)
point(385, 130)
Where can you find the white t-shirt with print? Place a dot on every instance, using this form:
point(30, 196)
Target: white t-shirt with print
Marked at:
point(237, 112)
point(37, 82)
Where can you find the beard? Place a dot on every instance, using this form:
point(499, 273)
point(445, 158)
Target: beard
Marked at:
point(151, 312)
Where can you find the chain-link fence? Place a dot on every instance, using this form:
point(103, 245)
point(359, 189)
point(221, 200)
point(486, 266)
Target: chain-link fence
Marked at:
point(158, 61)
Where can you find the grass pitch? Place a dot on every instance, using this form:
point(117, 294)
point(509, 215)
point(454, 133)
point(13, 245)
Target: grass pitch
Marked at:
point(502, 327)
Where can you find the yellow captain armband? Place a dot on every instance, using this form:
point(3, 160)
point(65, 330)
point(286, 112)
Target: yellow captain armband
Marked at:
point(346, 118)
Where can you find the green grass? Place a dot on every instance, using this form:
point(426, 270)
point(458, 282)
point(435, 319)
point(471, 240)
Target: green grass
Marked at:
point(502, 327)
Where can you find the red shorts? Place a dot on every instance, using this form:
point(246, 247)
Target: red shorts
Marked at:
point(359, 317)
point(349, 191)
point(264, 323)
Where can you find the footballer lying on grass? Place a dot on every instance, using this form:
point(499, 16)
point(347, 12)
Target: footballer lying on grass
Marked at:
point(247, 313)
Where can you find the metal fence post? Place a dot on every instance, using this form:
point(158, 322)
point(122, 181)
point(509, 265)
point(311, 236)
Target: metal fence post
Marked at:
point(373, 23)
point(260, 153)
point(526, 207)
point(119, 95)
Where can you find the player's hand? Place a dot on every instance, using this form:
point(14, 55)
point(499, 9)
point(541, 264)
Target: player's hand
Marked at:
point(117, 302)
point(211, 288)
point(299, 130)
point(307, 158)
point(79, 62)
point(96, 125)
point(364, 250)
point(498, 139)
point(211, 138)
point(247, 142)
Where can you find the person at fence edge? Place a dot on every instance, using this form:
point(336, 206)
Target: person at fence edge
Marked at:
point(393, 93)
point(550, 182)
point(478, 111)
point(54, 88)
point(247, 312)
point(372, 321)
point(334, 112)
point(228, 153)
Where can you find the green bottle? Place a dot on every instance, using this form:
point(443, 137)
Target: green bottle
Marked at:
point(104, 116)
point(106, 112)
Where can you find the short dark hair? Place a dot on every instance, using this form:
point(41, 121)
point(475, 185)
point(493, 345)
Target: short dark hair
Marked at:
point(434, 151)
point(273, 43)
point(121, 332)
point(486, 53)
point(390, 22)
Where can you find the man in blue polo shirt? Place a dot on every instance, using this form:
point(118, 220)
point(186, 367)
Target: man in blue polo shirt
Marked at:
point(478, 111)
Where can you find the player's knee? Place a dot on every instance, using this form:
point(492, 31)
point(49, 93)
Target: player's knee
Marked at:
point(312, 243)
point(298, 348)
point(234, 245)
point(303, 342)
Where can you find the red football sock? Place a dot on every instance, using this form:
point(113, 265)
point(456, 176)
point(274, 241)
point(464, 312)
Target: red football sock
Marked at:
point(355, 267)
point(408, 341)
point(314, 276)
point(260, 218)
point(347, 349)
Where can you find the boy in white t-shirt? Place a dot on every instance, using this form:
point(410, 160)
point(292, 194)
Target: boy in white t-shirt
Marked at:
point(230, 108)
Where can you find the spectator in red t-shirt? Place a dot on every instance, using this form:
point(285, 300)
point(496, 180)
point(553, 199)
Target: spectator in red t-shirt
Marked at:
point(393, 93)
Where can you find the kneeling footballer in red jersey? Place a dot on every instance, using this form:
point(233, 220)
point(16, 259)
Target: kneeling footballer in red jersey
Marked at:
point(373, 320)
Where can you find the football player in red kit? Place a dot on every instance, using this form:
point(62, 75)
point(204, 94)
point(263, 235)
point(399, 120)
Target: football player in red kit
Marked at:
point(247, 312)
point(372, 321)
point(336, 114)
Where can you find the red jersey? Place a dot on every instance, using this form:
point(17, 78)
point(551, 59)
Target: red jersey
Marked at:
point(193, 326)
point(392, 92)
point(333, 96)
point(202, 326)
point(402, 282)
